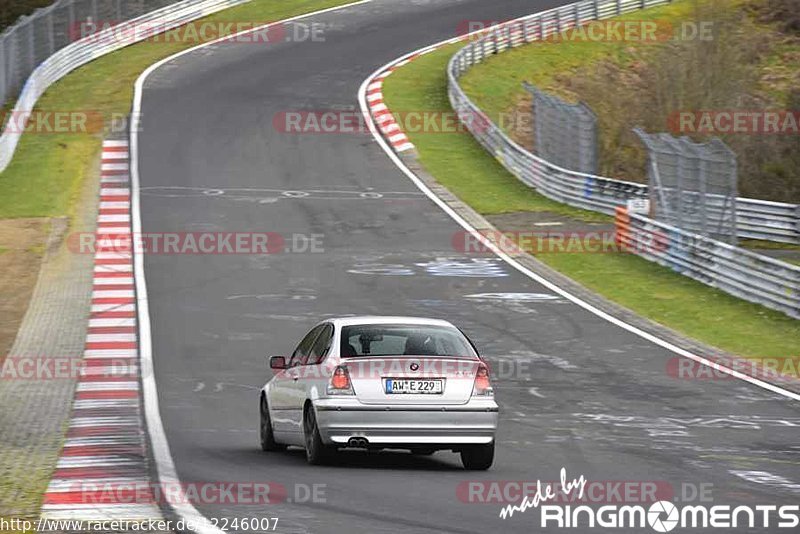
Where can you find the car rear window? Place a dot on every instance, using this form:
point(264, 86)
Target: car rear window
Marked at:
point(409, 340)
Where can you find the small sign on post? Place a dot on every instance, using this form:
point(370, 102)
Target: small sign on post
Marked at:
point(639, 205)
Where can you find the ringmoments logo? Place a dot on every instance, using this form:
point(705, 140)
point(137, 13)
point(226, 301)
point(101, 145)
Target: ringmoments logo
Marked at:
point(660, 516)
point(663, 516)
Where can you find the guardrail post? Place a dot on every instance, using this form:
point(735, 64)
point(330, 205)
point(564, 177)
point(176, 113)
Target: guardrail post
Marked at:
point(51, 38)
point(71, 16)
point(31, 45)
point(3, 62)
point(619, 7)
point(577, 15)
point(596, 9)
point(797, 223)
point(10, 46)
point(558, 20)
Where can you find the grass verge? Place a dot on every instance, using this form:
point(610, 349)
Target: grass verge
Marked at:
point(459, 163)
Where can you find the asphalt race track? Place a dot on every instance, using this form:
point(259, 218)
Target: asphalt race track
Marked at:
point(575, 391)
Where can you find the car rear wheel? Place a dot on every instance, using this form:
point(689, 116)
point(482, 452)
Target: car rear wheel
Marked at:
point(268, 442)
point(478, 457)
point(317, 453)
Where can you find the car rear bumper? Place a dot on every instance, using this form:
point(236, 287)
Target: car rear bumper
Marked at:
point(341, 419)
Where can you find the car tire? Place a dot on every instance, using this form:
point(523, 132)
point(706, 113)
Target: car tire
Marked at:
point(268, 442)
point(317, 453)
point(478, 457)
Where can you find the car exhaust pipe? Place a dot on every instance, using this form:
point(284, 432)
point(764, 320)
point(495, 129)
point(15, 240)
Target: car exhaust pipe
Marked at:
point(359, 443)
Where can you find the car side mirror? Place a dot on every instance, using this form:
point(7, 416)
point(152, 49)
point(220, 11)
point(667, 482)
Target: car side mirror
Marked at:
point(277, 362)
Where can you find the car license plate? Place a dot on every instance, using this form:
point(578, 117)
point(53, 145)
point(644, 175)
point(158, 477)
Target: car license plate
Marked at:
point(417, 386)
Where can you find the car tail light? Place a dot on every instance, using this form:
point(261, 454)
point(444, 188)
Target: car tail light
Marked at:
point(483, 386)
point(340, 382)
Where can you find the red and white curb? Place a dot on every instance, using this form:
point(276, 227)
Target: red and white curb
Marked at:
point(380, 113)
point(104, 449)
point(383, 117)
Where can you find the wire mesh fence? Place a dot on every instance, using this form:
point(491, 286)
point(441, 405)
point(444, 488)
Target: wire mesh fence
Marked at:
point(692, 185)
point(564, 134)
point(36, 37)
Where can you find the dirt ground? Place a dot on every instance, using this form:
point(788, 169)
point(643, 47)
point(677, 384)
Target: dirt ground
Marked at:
point(22, 246)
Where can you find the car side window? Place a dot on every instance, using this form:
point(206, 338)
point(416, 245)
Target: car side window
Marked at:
point(321, 345)
point(300, 354)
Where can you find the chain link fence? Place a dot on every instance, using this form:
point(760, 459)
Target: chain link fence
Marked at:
point(36, 37)
point(564, 134)
point(692, 185)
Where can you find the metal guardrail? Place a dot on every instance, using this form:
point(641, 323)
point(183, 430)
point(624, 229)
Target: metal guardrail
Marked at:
point(41, 48)
point(741, 273)
point(756, 219)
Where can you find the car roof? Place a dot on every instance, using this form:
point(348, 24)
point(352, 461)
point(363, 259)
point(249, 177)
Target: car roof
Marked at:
point(387, 319)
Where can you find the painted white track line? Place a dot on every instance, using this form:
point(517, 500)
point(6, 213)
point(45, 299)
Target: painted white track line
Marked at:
point(164, 464)
point(375, 80)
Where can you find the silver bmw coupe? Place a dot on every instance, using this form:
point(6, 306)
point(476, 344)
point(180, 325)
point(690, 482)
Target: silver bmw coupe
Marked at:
point(381, 383)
